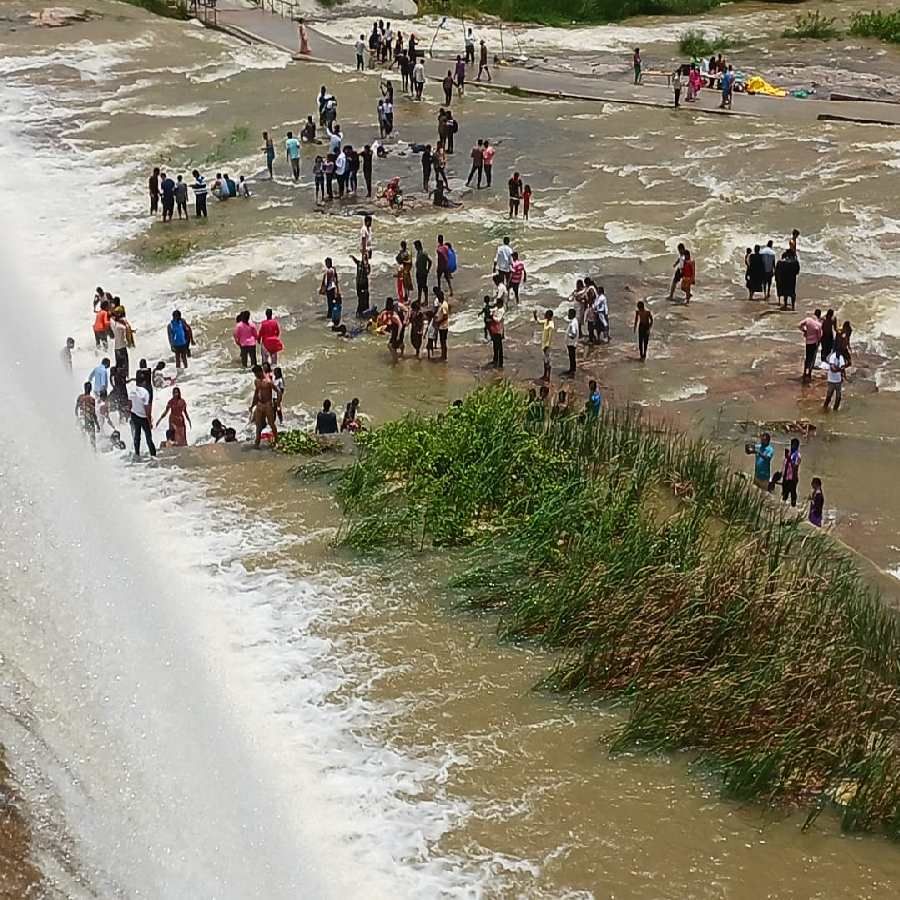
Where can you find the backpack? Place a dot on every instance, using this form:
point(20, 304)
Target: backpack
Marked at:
point(451, 260)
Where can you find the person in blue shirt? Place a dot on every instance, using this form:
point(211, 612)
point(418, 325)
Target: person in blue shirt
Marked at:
point(595, 398)
point(292, 151)
point(179, 333)
point(727, 88)
point(99, 377)
point(763, 451)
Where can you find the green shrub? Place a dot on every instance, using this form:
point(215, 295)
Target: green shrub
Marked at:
point(883, 25)
point(813, 25)
point(659, 577)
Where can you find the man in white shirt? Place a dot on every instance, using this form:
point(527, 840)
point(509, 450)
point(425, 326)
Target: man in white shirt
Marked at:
point(335, 139)
point(340, 172)
point(141, 417)
point(601, 307)
point(573, 332)
point(365, 238)
point(503, 260)
point(360, 47)
point(836, 364)
point(419, 78)
point(768, 257)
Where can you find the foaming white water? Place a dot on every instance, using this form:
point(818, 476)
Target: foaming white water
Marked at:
point(183, 702)
point(534, 40)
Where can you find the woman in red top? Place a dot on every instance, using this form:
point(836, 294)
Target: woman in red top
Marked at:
point(176, 410)
point(270, 338)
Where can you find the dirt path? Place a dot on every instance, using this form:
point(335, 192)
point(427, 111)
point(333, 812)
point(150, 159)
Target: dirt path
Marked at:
point(266, 27)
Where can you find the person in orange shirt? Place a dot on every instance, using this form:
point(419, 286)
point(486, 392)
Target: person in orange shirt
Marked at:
point(101, 325)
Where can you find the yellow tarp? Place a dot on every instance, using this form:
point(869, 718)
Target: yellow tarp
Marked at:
point(757, 85)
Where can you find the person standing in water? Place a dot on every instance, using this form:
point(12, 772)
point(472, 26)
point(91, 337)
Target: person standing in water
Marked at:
point(487, 156)
point(176, 410)
point(245, 337)
point(636, 63)
point(816, 503)
point(66, 354)
point(141, 416)
point(676, 86)
point(790, 472)
point(477, 155)
point(423, 267)
point(762, 467)
point(181, 197)
point(837, 365)
point(167, 187)
point(360, 47)
point(811, 329)
point(688, 276)
point(547, 333)
point(153, 190)
point(573, 333)
point(643, 322)
point(180, 336)
point(515, 194)
point(292, 152)
point(483, 62)
point(678, 274)
point(470, 47)
point(86, 414)
point(269, 151)
point(262, 407)
point(200, 191)
point(270, 338)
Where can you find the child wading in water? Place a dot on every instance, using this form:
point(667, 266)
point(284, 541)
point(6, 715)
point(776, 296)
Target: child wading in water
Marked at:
point(816, 502)
point(526, 201)
point(688, 276)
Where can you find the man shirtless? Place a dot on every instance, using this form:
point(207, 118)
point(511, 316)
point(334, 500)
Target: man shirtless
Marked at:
point(263, 405)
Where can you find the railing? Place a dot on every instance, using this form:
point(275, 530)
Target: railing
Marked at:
point(204, 10)
point(287, 9)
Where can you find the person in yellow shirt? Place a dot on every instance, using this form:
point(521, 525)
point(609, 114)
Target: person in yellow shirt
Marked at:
point(547, 342)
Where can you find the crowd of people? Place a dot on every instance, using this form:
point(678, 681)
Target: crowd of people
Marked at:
point(422, 295)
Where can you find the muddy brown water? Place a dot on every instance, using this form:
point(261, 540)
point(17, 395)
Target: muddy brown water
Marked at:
point(549, 813)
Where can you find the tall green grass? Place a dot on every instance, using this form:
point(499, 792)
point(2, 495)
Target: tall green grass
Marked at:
point(813, 25)
point(883, 25)
point(659, 577)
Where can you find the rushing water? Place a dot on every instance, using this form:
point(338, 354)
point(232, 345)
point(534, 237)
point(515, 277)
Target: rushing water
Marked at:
point(208, 698)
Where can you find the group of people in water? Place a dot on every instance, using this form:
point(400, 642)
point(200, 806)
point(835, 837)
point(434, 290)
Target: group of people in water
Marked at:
point(423, 280)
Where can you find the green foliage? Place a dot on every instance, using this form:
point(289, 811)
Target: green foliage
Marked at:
point(172, 250)
point(565, 12)
point(238, 136)
point(297, 442)
point(813, 25)
point(883, 25)
point(694, 43)
point(660, 576)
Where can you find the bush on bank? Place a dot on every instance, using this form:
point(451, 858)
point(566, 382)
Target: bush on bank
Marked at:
point(883, 25)
point(661, 578)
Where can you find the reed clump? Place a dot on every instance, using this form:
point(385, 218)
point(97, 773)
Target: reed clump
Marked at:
point(661, 578)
